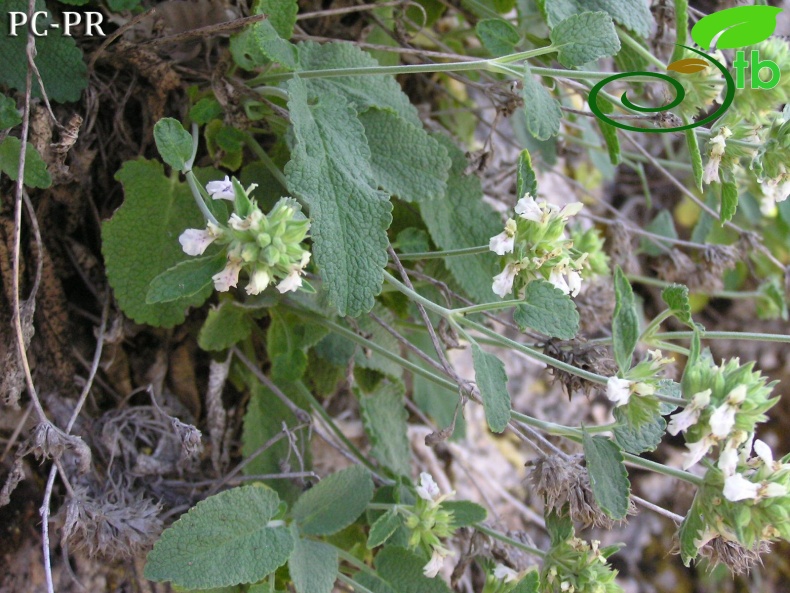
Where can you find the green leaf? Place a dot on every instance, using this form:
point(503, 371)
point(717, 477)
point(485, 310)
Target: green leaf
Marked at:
point(729, 197)
point(412, 240)
point(335, 502)
point(363, 92)
point(330, 169)
point(465, 512)
point(205, 110)
point(58, 58)
point(548, 310)
point(261, 42)
point(463, 219)
point(526, 180)
point(541, 109)
point(637, 435)
point(491, 379)
point(313, 565)
point(224, 540)
point(696, 157)
point(35, 175)
point(140, 241)
point(559, 526)
point(185, 279)
point(631, 14)
point(676, 296)
point(9, 116)
point(273, 46)
point(281, 14)
point(287, 340)
point(384, 417)
point(383, 528)
point(690, 529)
point(608, 476)
point(372, 330)
point(265, 417)
point(406, 161)
point(739, 26)
point(225, 326)
point(609, 133)
point(664, 226)
point(584, 38)
point(625, 324)
point(173, 142)
point(403, 570)
point(529, 584)
point(498, 36)
point(681, 37)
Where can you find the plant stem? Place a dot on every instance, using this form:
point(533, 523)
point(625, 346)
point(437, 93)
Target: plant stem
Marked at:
point(654, 324)
point(193, 186)
point(749, 336)
point(352, 583)
point(634, 45)
point(427, 303)
point(440, 254)
point(461, 311)
point(509, 540)
point(252, 143)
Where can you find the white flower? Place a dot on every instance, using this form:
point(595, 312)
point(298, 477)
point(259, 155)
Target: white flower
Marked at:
point(736, 488)
point(221, 190)
point(774, 190)
point(697, 450)
point(428, 488)
point(434, 565)
point(764, 452)
point(643, 389)
point(688, 417)
point(505, 573)
point(503, 282)
point(728, 460)
point(529, 209)
point(259, 280)
point(305, 260)
point(503, 242)
point(229, 276)
point(723, 418)
point(772, 490)
point(291, 282)
point(558, 280)
point(618, 390)
point(574, 282)
point(571, 209)
point(195, 241)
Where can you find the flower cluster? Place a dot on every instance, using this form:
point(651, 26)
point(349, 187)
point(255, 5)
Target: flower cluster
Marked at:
point(267, 246)
point(428, 523)
point(575, 566)
point(642, 380)
point(535, 246)
point(745, 498)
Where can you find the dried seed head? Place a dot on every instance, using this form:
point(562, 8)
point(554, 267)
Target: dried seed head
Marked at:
point(738, 559)
point(191, 444)
point(621, 248)
point(587, 357)
point(565, 481)
point(16, 475)
point(116, 527)
point(51, 442)
point(596, 305)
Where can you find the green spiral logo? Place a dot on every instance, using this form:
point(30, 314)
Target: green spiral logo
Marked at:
point(680, 94)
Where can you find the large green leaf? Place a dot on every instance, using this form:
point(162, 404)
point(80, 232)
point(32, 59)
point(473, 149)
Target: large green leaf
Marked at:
point(637, 433)
point(584, 38)
point(335, 502)
point(465, 512)
point(384, 417)
point(35, 173)
point(287, 341)
point(632, 14)
point(58, 59)
point(9, 116)
point(403, 570)
point(463, 219)
point(542, 111)
point(406, 161)
point(330, 169)
point(185, 279)
point(224, 540)
point(491, 380)
point(313, 565)
point(608, 476)
point(226, 325)
point(548, 310)
point(140, 241)
point(383, 528)
point(498, 36)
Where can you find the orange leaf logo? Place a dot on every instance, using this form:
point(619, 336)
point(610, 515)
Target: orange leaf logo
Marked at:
point(688, 65)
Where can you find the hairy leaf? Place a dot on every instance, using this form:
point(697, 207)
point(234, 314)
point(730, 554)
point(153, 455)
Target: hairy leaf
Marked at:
point(498, 36)
point(635, 433)
point(608, 476)
point(526, 180)
point(35, 174)
point(631, 14)
point(491, 379)
point(625, 324)
point(696, 157)
point(9, 116)
point(529, 584)
point(335, 502)
point(406, 161)
point(173, 142)
point(465, 512)
point(584, 38)
point(313, 565)
point(403, 570)
point(224, 540)
point(548, 310)
point(541, 109)
point(286, 342)
point(383, 528)
point(729, 200)
point(140, 241)
point(676, 297)
point(225, 326)
point(185, 279)
point(330, 169)
point(384, 417)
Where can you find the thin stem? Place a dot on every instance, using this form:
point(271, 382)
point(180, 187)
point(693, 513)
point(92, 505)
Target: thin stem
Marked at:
point(193, 185)
point(427, 303)
point(440, 254)
point(634, 45)
point(487, 307)
point(252, 143)
point(655, 324)
point(749, 336)
point(509, 540)
point(662, 469)
point(353, 584)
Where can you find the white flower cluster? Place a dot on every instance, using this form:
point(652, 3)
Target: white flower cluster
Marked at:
point(267, 246)
point(541, 247)
point(642, 380)
point(436, 521)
